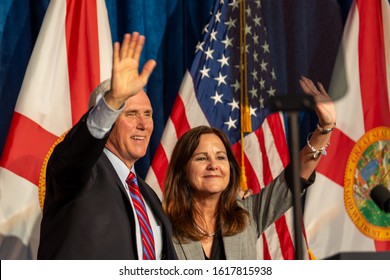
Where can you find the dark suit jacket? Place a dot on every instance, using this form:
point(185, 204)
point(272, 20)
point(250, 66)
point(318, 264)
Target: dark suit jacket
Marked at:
point(87, 212)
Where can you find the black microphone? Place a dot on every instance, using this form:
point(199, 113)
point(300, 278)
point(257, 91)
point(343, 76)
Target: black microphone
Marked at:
point(381, 196)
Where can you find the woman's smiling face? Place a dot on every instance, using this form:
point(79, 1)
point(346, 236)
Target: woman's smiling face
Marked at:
point(208, 171)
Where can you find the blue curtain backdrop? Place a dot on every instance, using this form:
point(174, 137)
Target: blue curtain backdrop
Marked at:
point(304, 37)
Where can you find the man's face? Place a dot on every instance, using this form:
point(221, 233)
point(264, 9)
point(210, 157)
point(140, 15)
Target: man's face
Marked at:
point(130, 136)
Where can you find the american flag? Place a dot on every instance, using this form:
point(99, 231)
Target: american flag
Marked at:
point(215, 91)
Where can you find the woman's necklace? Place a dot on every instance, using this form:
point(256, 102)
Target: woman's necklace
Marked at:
point(204, 232)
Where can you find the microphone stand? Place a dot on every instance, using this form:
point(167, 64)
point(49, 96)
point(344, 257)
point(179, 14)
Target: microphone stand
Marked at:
point(292, 105)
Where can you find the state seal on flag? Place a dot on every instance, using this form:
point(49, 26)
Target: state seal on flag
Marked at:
point(368, 165)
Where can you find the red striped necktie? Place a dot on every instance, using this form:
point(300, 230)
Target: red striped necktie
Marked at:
point(143, 219)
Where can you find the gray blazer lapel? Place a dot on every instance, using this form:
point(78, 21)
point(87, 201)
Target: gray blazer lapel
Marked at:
point(232, 246)
point(189, 251)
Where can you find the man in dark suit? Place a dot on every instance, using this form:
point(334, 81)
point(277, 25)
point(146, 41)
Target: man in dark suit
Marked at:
point(88, 210)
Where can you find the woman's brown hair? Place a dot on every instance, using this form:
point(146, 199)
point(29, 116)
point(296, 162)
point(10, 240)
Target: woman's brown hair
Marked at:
point(178, 201)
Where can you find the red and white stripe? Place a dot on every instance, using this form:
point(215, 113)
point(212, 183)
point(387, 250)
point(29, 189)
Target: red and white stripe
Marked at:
point(71, 56)
point(362, 72)
point(266, 154)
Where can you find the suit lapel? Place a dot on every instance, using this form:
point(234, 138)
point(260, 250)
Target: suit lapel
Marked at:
point(152, 199)
point(115, 176)
point(192, 250)
point(232, 247)
point(154, 203)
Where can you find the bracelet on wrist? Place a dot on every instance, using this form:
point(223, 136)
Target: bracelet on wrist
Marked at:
point(325, 130)
point(320, 151)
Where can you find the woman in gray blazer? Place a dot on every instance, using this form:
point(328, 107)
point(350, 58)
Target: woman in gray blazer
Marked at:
point(209, 220)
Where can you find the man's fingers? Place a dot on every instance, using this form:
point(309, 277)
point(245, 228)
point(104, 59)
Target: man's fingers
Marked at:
point(132, 45)
point(125, 46)
point(138, 47)
point(115, 57)
point(147, 70)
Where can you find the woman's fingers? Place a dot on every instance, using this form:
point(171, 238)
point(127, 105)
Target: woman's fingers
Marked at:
point(322, 89)
point(308, 86)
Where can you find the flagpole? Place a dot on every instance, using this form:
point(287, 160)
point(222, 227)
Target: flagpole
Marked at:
point(292, 105)
point(294, 155)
